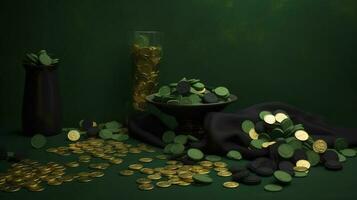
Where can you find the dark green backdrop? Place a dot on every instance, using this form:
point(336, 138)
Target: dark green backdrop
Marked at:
point(302, 52)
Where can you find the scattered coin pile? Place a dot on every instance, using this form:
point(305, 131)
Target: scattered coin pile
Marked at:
point(177, 173)
point(191, 92)
point(292, 151)
point(95, 155)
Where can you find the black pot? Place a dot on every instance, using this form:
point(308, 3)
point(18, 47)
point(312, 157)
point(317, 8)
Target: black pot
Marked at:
point(190, 117)
point(41, 107)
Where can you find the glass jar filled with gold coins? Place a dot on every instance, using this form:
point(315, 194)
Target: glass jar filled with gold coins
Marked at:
point(147, 53)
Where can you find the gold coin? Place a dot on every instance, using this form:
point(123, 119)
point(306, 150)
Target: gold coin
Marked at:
point(230, 184)
point(72, 164)
point(279, 117)
point(97, 174)
point(224, 173)
point(143, 180)
point(303, 163)
point(147, 171)
point(126, 172)
point(253, 134)
point(184, 183)
point(186, 175)
point(301, 135)
point(300, 169)
point(116, 161)
point(135, 166)
point(54, 182)
point(36, 188)
point(319, 146)
point(73, 135)
point(269, 119)
point(145, 160)
point(206, 163)
point(163, 184)
point(154, 176)
point(67, 178)
point(220, 169)
point(220, 164)
point(146, 186)
point(84, 179)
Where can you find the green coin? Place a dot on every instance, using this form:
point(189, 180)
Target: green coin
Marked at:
point(264, 136)
point(273, 188)
point(177, 148)
point(233, 154)
point(340, 143)
point(341, 158)
point(313, 157)
point(282, 176)
point(300, 174)
point(195, 154)
point(105, 134)
point(348, 152)
point(276, 133)
point(167, 148)
point(195, 99)
point(257, 143)
point(221, 91)
point(120, 137)
point(181, 139)
point(213, 158)
point(295, 143)
point(142, 41)
point(202, 178)
point(247, 125)
point(185, 101)
point(286, 124)
point(165, 91)
point(113, 125)
point(263, 113)
point(285, 151)
point(173, 101)
point(198, 86)
point(38, 141)
point(45, 59)
point(192, 138)
point(168, 136)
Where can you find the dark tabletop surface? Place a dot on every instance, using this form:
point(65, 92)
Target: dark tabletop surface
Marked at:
point(320, 184)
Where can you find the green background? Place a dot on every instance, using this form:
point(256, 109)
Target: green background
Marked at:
point(302, 52)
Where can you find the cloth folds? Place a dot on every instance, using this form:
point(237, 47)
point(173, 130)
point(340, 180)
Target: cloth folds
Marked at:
point(223, 130)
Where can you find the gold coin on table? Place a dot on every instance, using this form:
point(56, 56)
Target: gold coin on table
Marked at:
point(147, 171)
point(301, 135)
point(154, 176)
point(73, 135)
point(163, 184)
point(126, 172)
point(269, 119)
point(84, 179)
point(36, 188)
point(145, 160)
point(319, 146)
point(135, 166)
point(224, 173)
point(230, 184)
point(206, 163)
point(279, 117)
point(161, 157)
point(55, 182)
point(72, 164)
point(146, 186)
point(184, 183)
point(300, 169)
point(253, 134)
point(143, 180)
point(116, 161)
point(97, 174)
point(220, 164)
point(303, 163)
point(185, 175)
